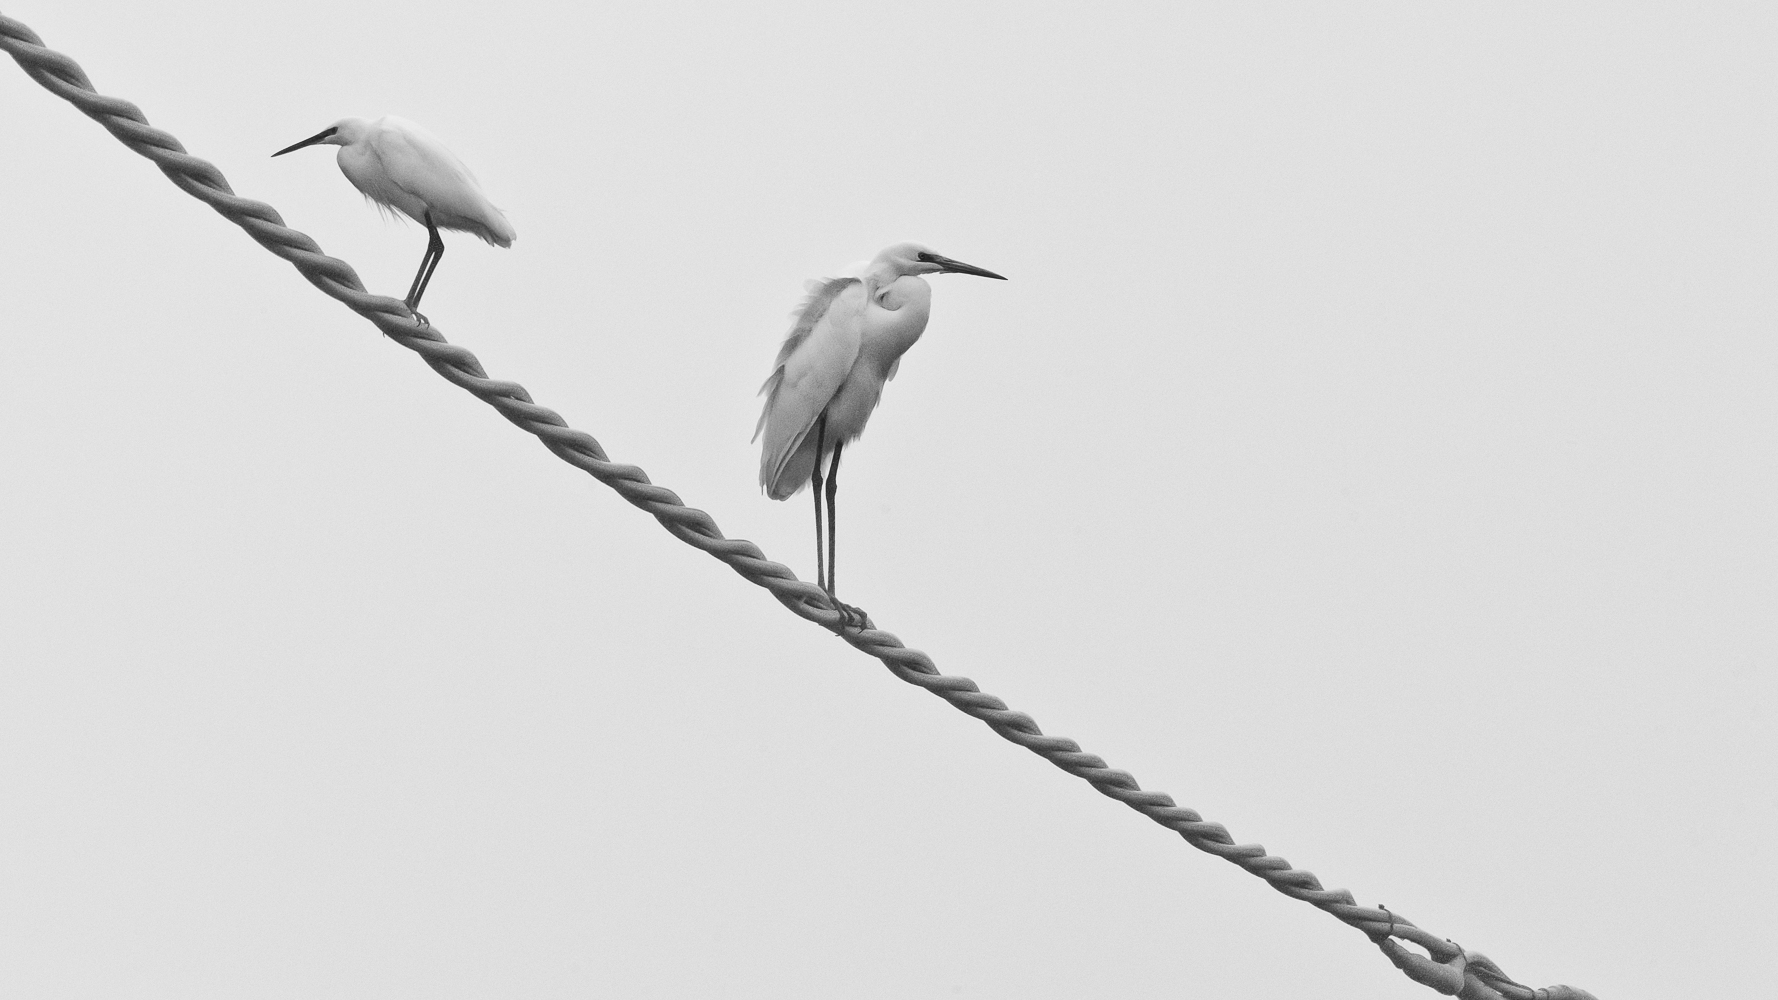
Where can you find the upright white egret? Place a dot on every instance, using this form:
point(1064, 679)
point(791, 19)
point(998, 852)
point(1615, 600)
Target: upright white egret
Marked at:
point(401, 166)
point(847, 341)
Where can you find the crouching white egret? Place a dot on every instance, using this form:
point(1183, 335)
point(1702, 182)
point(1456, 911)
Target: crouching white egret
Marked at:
point(847, 341)
point(401, 166)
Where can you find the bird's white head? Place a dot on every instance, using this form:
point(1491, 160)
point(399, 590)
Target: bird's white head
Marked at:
point(914, 258)
point(344, 132)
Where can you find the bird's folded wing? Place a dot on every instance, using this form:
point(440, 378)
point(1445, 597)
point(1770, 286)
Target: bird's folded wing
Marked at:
point(816, 357)
point(420, 165)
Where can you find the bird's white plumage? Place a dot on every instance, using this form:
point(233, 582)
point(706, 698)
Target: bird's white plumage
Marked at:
point(817, 355)
point(398, 164)
point(846, 343)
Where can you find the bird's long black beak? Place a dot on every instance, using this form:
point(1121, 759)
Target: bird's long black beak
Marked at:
point(949, 266)
point(310, 141)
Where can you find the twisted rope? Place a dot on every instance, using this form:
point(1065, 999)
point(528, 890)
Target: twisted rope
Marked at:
point(1446, 967)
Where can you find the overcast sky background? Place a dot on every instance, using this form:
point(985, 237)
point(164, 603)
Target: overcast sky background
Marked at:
point(1375, 448)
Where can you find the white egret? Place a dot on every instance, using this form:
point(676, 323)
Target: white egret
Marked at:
point(846, 343)
point(402, 167)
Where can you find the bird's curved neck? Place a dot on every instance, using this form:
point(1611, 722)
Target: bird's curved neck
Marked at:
point(880, 275)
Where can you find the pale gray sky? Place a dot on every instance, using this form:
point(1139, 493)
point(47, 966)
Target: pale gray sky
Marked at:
point(1373, 448)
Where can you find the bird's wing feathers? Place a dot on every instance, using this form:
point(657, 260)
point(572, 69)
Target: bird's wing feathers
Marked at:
point(816, 357)
point(423, 168)
point(810, 311)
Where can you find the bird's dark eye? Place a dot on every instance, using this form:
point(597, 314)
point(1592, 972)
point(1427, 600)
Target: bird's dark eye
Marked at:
point(925, 257)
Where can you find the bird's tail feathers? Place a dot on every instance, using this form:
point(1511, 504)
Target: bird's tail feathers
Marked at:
point(784, 476)
point(499, 232)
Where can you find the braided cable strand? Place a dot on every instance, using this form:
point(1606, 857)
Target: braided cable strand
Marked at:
point(1445, 967)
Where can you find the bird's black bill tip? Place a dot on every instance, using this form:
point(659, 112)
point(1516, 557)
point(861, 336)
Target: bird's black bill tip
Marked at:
point(310, 141)
point(948, 266)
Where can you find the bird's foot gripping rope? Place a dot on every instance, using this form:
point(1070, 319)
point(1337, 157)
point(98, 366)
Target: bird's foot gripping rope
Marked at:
point(852, 617)
point(1446, 967)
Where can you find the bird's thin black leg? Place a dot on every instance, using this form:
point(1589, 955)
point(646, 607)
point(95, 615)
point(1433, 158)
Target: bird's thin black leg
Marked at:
point(413, 290)
point(435, 246)
point(833, 523)
point(815, 488)
point(849, 615)
point(428, 264)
